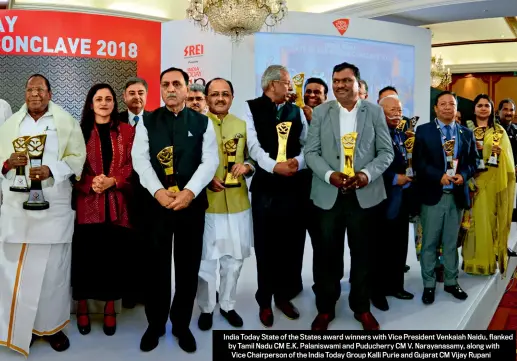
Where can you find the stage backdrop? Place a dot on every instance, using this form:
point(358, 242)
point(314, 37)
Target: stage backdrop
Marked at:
point(75, 51)
point(202, 54)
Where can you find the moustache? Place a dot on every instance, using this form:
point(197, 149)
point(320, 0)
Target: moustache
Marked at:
point(222, 102)
point(171, 95)
point(396, 117)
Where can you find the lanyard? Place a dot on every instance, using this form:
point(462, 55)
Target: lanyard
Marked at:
point(397, 142)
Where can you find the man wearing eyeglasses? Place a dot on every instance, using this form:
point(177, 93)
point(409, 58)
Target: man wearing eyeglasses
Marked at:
point(35, 253)
point(275, 128)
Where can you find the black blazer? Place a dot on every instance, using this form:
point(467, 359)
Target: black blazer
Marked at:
point(429, 164)
point(124, 116)
point(394, 193)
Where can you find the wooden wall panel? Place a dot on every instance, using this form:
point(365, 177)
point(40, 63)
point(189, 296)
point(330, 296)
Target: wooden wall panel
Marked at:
point(497, 85)
point(470, 87)
point(505, 88)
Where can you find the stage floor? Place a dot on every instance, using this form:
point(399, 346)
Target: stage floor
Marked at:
point(446, 313)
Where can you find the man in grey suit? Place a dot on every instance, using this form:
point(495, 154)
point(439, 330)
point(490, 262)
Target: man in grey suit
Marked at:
point(346, 202)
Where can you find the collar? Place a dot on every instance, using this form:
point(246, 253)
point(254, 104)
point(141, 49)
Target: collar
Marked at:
point(132, 115)
point(356, 106)
point(176, 115)
point(442, 125)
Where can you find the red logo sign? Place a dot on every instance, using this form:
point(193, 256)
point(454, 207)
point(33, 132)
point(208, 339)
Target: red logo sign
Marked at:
point(194, 50)
point(341, 25)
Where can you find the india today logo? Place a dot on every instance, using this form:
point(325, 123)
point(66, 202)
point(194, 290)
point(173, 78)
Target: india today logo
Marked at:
point(196, 50)
point(341, 25)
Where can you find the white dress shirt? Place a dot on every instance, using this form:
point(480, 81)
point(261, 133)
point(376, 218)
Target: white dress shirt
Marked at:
point(347, 124)
point(257, 153)
point(201, 178)
point(132, 116)
point(5, 111)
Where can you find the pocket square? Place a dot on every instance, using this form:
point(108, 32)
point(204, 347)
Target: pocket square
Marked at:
point(189, 134)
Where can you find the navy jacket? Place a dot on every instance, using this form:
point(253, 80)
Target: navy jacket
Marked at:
point(429, 164)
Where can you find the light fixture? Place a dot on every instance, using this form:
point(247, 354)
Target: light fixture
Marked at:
point(440, 77)
point(236, 18)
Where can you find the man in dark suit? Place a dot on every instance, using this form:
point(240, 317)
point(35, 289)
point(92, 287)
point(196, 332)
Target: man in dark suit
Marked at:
point(135, 97)
point(393, 243)
point(442, 189)
point(346, 203)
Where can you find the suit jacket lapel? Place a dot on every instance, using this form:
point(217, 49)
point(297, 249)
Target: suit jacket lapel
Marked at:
point(336, 122)
point(360, 122)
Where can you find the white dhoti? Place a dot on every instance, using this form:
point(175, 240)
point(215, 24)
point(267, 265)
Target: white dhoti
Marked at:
point(227, 239)
point(34, 292)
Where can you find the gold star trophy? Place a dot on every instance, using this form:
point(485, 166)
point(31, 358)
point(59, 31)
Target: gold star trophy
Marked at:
point(493, 161)
point(348, 142)
point(282, 131)
point(230, 148)
point(409, 144)
point(479, 134)
point(20, 183)
point(35, 149)
point(166, 159)
point(448, 146)
point(298, 88)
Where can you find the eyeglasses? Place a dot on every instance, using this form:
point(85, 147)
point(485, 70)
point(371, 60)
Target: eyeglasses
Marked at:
point(285, 82)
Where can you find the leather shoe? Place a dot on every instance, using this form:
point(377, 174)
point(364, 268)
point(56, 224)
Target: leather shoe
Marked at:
point(456, 291)
point(205, 321)
point(322, 321)
point(150, 339)
point(233, 318)
point(406, 268)
point(401, 295)
point(511, 253)
point(186, 340)
point(380, 302)
point(288, 309)
point(59, 342)
point(33, 339)
point(266, 316)
point(428, 296)
point(367, 320)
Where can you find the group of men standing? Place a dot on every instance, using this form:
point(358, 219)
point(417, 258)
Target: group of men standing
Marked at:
point(305, 178)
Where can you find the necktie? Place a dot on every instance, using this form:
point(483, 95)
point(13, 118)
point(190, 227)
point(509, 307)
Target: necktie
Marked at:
point(136, 119)
point(448, 132)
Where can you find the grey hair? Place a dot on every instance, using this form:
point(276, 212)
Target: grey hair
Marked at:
point(394, 96)
point(135, 80)
point(273, 72)
point(196, 87)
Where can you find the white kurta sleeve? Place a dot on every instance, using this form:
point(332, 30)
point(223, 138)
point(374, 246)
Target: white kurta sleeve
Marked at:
point(142, 160)
point(209, 162)
point(257, 153)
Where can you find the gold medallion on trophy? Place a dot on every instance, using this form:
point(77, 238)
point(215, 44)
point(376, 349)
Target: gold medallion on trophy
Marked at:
point(230, 148)
point(298, 88)
point(348, 141)
point(166, 159)
point(20, 183)
point(282, 131)
point(448, 146)
point(493, 161)
point(35, 148)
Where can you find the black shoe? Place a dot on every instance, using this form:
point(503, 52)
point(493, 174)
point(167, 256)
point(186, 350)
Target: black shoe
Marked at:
point(266, 316)
point(428, 296)
point(456, 291)
point(511, 253)
point(34, 339)
point(401, 295)
point(380, 302)
point(233, 318)
point(288, 309)
point(59, 342)
point(150, 339)
point(205, 321)
point(406, 268)
point(217, 297)
point(186, 340)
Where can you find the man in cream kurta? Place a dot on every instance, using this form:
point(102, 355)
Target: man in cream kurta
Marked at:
point(35, 246)
point(228, 224)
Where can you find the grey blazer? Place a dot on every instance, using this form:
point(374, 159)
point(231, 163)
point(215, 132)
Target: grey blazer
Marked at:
point(373, 152)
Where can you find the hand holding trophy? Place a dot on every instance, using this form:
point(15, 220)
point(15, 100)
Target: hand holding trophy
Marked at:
point(230, 148)
point(20, 183)
point(35, 149)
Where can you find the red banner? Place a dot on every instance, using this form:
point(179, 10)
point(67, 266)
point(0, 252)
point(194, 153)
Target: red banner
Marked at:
point(46, 33)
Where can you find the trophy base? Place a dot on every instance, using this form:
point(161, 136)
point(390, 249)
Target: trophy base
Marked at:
point(493, 165)
point(19, 189)
point(232, 185)
point(36, 206)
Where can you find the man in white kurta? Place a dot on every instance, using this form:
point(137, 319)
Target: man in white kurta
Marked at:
point(35, 246)
point(228, 235)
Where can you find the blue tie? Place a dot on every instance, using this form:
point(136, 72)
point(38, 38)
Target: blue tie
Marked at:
point(448, 132)
point(136, 119)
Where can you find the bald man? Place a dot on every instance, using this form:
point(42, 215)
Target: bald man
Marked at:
point(393, 245)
